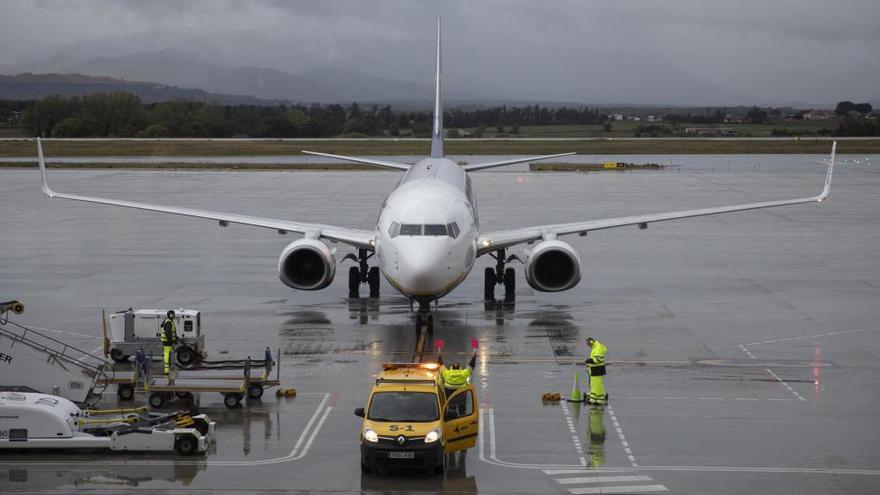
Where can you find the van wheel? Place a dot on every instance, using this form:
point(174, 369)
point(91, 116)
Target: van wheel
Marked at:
point(441, 468)
point(366, 469)
point(183, 395)
point(186, 445)
point(125, 392)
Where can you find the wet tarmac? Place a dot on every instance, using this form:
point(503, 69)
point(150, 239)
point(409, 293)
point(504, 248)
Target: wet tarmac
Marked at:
point(744, 348)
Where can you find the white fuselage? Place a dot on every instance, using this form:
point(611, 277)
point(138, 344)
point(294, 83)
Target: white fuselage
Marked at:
point(426, 236)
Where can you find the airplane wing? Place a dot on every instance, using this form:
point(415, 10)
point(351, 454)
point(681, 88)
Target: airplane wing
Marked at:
point(506, 238)
point(355, 237)
point(481, 166)
point(357, 159)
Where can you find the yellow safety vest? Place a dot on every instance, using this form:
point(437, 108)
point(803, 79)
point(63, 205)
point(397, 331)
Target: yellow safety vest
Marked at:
point(597, 354)
point(455, 378)
point(166, 338)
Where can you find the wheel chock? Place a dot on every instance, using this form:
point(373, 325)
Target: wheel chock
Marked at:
point(285, 392)
point(551, 397)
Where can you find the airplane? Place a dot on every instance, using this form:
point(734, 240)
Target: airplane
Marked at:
point(427, 237)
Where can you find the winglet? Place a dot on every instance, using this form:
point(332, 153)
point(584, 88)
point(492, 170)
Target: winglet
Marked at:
point(827, 189)
point(437, 133)
point(44, 176)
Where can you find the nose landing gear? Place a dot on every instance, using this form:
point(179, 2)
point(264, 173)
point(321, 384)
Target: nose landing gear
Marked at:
point(500, 275)
point(362, 274)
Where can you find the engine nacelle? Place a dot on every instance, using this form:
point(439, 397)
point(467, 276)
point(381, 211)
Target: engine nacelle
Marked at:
point(552, 266)
point(307, 264)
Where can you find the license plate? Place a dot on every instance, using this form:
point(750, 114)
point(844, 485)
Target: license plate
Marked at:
point(401, 455)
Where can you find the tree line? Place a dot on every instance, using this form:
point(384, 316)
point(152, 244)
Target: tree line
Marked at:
point(120, 114)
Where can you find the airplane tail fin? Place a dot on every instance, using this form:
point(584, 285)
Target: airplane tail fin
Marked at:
point(437, 132)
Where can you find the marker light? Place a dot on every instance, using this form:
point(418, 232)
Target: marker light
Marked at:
point(486, 243)
point(432, 436)
point(430, 366)
point(371, 436)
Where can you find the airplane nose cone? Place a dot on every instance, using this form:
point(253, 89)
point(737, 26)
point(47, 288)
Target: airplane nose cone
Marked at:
point(424, 269)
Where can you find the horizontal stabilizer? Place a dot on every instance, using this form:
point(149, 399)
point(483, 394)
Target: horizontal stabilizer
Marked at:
point(501, 163)
point(358, 159)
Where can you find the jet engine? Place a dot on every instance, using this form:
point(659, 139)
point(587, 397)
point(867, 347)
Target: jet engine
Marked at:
point(307, 264)
point(552, 266)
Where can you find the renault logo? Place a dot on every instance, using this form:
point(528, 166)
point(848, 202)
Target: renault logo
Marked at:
point(401, 440)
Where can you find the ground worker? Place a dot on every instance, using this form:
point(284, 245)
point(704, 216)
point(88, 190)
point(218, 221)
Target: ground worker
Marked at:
point(169, 338)
point(455, 376)
point(596, 368)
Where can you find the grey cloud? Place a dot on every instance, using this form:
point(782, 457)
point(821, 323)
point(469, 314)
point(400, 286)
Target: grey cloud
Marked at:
point(675, 51)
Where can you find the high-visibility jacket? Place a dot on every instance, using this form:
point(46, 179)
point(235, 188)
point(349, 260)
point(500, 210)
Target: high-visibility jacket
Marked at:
point(455, 378)
point(596, 363)
point(169, 332)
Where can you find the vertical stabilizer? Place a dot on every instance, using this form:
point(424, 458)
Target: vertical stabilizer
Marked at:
point(437, 132)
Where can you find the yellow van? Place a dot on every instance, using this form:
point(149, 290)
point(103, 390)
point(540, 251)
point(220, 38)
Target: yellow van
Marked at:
point(410, 421)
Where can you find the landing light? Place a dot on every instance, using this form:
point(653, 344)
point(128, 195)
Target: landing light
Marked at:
point(430, 366)
point(485, 243)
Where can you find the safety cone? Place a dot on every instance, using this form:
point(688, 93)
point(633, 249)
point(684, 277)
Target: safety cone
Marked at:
point(576, 395)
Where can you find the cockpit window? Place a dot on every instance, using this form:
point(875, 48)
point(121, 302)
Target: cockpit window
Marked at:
point(435, 229)
point(431, 229)
point(410, 229)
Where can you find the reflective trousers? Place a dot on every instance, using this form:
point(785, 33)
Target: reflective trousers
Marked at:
point(167, 359)
point(597, 389)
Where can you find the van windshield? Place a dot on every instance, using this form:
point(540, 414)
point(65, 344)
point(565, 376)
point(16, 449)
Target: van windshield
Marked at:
point(404, 406)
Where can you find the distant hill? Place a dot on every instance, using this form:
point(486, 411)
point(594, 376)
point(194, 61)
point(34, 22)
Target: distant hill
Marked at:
point(178, 68)
point(29, 86)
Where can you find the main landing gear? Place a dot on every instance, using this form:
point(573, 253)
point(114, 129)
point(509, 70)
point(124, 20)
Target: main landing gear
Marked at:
point(500, 275)
point(362, 274)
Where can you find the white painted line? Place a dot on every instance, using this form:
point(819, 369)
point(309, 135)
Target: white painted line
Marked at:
point(755, 469)
point(747, 351)
point(744, 398)
point(619, 489)
point(556, 472)
point(620, 434)
point(676, 397)
point(711, 398)
point(574, 436)
point(601, 479)
point(787, 386)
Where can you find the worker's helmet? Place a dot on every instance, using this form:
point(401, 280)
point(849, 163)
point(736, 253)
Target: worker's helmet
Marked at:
point(590, 341)
point(170, 313)
point(456, 366)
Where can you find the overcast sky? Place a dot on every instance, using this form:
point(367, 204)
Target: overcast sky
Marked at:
point(662, 51)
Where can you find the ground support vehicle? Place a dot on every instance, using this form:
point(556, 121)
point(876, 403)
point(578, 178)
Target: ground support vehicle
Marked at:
point(39, 421)
point(130, 330)
point(32, 361)
point(411, 422)
point(235, 379)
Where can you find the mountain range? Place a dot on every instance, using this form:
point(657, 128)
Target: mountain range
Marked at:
point(171, 70)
